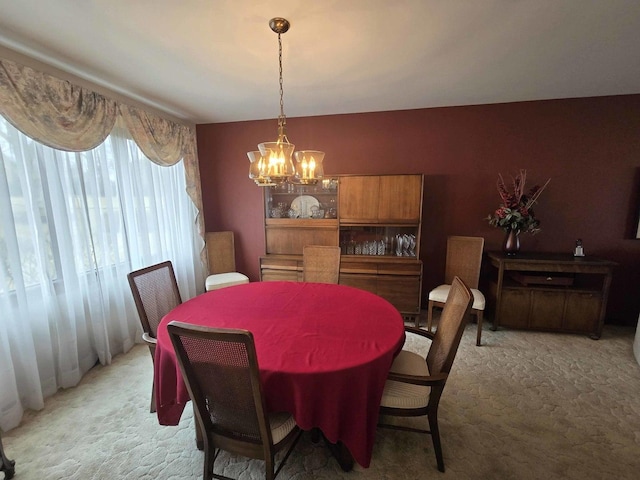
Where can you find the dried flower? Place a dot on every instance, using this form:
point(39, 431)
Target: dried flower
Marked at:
point(516, 210)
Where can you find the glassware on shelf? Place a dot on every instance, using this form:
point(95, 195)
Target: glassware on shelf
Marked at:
point(317, 212)
point(280, 211)
point(351, 248)
point(405, 245)
point(388, 245)
point(377, 242)
point(399, 245)
point(329, 184)
point(333, 211)
point(412, 245)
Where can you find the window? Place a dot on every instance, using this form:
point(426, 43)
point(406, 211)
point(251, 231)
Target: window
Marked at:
point(72, 225)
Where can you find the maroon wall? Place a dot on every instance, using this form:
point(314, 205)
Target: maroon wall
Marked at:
point(589, 147)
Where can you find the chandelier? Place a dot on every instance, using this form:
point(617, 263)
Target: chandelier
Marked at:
point(271, 163)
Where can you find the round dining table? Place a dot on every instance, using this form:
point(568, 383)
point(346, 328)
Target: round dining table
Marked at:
point(324, 352)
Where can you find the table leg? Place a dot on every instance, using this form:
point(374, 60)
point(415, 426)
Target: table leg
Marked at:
point(7, 466)
point(339, 451)
point(341, 454)
point(315, 435)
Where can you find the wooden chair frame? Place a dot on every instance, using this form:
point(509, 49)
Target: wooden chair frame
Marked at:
point(464, 260)
point(221, 252)
point(221, 261)
point(439, 361)
point(321, 263)
point(150, 325)
point(215, 438)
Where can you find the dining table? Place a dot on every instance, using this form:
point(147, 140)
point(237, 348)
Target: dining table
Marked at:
point(323, 350)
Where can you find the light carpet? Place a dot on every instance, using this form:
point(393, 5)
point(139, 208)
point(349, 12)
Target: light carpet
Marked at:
point(525, 405)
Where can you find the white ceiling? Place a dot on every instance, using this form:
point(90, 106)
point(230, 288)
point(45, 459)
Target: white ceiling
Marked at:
point(209, 61)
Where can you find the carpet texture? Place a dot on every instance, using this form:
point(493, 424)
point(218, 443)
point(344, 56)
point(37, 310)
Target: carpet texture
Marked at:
point(525, 405)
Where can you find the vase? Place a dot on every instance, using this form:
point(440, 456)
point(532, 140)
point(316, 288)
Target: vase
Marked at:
point(511, 244)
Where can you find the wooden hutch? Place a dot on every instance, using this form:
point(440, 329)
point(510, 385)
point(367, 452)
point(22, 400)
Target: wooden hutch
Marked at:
point(375, 219)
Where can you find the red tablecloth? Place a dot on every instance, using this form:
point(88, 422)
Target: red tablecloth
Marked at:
point(324, 352)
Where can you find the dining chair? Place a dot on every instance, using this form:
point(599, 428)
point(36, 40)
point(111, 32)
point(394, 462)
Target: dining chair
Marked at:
point(220, 369)
point(221, 254)
point(155, 292)
point(321, 264)
point(415, 383)
point(464, 259)
point(7, 466)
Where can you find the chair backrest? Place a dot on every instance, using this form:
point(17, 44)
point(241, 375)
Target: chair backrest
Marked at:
point(321, 263)
point(155, 291)
point(464, 259)
point(450, 328)
point(220, 369)
point(221, 252)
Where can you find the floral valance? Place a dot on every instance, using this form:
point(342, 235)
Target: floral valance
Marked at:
point(53, 111)
point(68, 117)
point(159, 139)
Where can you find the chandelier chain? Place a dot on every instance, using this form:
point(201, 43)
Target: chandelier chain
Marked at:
point(282, 119)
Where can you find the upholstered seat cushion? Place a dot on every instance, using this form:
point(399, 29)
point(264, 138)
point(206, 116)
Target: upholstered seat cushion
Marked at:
point(440, 293)
point(406, 395)
point(221, 280)
point(281, 424)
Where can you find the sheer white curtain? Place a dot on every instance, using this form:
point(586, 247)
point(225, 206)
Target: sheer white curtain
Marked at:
point(72, 225)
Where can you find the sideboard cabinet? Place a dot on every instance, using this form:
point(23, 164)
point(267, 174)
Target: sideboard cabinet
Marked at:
point(550, 292)
point(375, 219)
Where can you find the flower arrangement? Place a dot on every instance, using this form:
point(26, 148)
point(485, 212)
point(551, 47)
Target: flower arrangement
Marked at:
point(515, 211)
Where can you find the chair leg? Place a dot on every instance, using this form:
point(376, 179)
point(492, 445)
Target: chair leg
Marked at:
point(7, 466)
point(152, 409)
point(435, 437)
point(479, 316)
point(199, 433)
point(152, 351)
point(269, 464)
point(429, 315)
point(209, 458)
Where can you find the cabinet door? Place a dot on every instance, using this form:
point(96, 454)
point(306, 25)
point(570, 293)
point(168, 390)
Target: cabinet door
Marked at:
point(358, 199)
point(582, 312)
point(287, 240)
point(363, 282)
point(403, 292)
point(514, 308)
point(400, 198)
point(547, 309)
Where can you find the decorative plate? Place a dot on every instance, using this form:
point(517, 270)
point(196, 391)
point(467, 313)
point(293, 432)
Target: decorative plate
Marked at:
point(301, 205)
